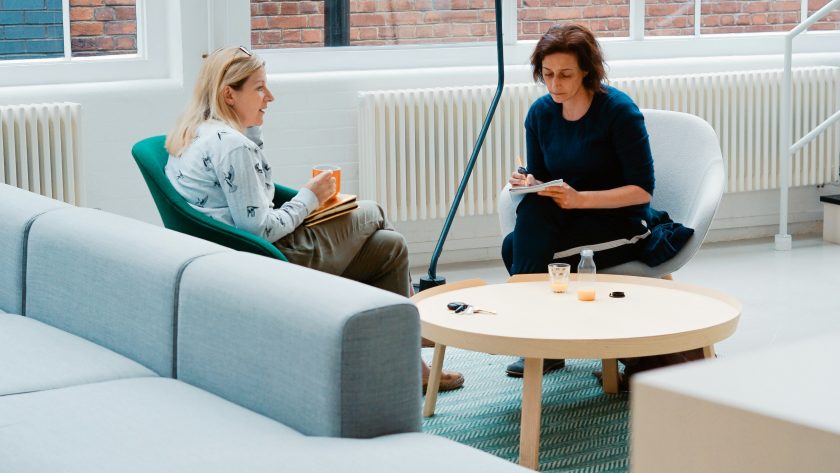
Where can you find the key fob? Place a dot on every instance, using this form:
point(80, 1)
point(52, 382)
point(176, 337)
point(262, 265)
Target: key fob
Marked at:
point(455, 305)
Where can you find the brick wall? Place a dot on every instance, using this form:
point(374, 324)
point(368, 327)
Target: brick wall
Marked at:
point(676, 17)
point(300, 23)
point(30, 29)
point(100, 27)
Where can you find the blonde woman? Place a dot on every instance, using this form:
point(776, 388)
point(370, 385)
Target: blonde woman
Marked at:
point(217, 164)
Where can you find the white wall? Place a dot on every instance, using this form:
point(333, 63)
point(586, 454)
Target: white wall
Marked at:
point(314, 120)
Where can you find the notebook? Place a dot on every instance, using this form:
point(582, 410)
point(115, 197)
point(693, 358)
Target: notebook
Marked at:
point(335, 207)
point(535, 188)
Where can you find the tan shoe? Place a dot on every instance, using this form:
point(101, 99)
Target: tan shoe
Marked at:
point(449, 380)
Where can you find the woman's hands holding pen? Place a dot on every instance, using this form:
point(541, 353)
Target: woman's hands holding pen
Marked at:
point(518, 179)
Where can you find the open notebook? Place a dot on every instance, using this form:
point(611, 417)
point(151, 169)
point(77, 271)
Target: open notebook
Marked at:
point(535, 188)
point(335, 207)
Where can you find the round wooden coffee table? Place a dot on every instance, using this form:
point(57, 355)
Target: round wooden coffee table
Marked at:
point(655, 317)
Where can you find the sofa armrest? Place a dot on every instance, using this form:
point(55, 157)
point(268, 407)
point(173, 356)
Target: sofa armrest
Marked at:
point(324, 355)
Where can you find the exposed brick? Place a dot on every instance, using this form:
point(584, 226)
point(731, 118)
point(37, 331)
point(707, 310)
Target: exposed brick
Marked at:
point(408, 31)
point(126, 13)
point(407, 18)
point(120, 27)
point(273, 8)
point(289, 36)
point(104, 14)
point(85, 3)
point(259, 23)
point(120, 2)
point(313, 36)
point(367, 19)
point(126, 42)
point(289, 8)
point(86, 28)
point(311, 7)
point(367, 32)
point(562, 14)
point(756, 7)
point(81, 13)
point(282, 22)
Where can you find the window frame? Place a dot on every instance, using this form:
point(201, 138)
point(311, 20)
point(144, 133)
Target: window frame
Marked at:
point(151, 60)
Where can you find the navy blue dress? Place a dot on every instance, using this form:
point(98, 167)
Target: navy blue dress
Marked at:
point(606, 148)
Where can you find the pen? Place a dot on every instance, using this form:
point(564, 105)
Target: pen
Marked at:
point(521, 169)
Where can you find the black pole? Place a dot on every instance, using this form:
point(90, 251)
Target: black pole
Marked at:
point(337, 23)
point(432, 279)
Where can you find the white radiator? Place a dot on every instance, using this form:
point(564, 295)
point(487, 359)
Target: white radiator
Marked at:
point(414, 144)
point(39, 149)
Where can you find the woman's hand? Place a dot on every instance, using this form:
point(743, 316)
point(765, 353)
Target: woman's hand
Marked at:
point(519, 180)
point(323, 186)
point(564, 195)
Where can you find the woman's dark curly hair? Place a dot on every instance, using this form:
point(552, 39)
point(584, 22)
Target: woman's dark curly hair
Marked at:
point(577, 40)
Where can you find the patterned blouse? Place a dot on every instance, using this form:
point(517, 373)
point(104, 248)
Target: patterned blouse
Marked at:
point(225, 175)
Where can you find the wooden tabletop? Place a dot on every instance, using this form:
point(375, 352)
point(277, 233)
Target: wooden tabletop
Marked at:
point(656, 316)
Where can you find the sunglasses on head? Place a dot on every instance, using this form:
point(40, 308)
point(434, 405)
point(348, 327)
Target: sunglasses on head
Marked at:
point(241, 48)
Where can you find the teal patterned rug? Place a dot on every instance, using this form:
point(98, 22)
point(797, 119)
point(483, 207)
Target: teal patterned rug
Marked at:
point(583, 429)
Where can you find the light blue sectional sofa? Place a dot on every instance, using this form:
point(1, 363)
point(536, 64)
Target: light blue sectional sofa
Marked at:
point(125, 347)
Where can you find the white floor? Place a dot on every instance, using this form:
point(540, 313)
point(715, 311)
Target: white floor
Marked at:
point(786, 295)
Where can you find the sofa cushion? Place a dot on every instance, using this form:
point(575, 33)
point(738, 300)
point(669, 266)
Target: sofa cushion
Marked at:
point(17, 211)
point(111, 280)
point(35, 356)
point(163, 425)
point(284, 341)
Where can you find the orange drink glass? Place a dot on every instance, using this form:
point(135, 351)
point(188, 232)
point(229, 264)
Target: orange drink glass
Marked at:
point(558, 274)
point(336, 172)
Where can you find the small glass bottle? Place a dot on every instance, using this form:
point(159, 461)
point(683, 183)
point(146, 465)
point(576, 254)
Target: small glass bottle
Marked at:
point(586, 267)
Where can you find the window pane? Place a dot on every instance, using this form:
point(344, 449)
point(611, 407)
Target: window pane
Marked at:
point(829, 22)
point(103, 27)
point(300, 23)
point(31, 30)
point(606, 18)
point(669, 17)
point(748, 16)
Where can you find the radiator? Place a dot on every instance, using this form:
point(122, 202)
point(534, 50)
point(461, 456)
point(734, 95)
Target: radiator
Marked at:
point(414, 144)
point(39, 149)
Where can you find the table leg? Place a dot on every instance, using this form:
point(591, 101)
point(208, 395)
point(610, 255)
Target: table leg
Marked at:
point(529, 435)
point(609, 375)
point(434, 380)
point(709, 351)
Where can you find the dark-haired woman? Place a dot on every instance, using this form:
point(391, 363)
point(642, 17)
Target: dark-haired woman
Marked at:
point(593, 137)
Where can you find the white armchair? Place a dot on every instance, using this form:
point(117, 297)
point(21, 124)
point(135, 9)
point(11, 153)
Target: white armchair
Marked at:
point(689, 184)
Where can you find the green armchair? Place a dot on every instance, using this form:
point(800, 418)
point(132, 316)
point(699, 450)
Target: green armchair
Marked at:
point(151, 156)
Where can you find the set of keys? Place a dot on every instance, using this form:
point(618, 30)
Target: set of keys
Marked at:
point(466, 309)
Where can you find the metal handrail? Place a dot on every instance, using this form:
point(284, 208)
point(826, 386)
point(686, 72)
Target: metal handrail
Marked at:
point(783, 239)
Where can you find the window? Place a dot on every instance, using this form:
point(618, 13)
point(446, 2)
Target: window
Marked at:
point(104, 27)
point(605, 18)
point(101, 41)
point(36, 29)
point(305, 23)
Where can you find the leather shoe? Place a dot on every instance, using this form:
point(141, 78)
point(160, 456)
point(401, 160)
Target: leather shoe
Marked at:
point(623, 381)
point(516, 368)
point(449, 380)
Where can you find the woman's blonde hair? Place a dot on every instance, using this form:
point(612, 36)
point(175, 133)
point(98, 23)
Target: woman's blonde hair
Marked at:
point(225, 67)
